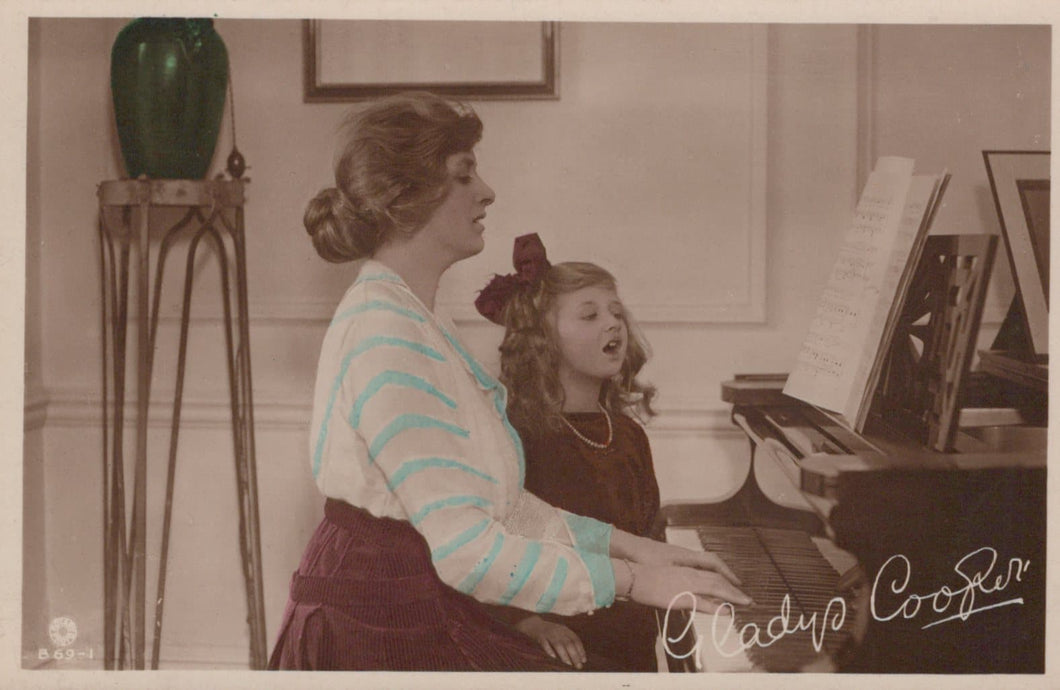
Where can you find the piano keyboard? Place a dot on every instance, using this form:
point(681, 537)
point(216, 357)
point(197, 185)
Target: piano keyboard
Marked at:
point(772, 564)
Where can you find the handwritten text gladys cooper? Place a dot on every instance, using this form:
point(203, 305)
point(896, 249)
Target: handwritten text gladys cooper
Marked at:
point(888, 600)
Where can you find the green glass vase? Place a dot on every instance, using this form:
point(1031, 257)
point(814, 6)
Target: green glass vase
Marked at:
point(168, 78)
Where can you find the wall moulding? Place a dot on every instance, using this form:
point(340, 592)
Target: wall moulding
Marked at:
point(319, 313)
point(81, 407)
point(78, 407)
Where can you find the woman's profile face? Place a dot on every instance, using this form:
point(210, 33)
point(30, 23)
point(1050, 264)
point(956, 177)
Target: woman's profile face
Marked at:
point(456, 226)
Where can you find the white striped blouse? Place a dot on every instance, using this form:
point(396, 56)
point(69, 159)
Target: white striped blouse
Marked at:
point(406, 424)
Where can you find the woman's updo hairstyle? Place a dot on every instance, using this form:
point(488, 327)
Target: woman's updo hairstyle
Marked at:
point(390, 173)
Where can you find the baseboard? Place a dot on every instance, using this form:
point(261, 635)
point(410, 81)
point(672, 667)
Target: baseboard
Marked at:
point(228, 658)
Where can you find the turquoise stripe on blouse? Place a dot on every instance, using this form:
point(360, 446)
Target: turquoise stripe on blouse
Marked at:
point(461, 539)
point(394, 378)
point(448, 502)
point(500, 400)
point(383, 277)
point(484, 378)
point(589, 534)
point(522, 571)
point(360, 348)
point(378, 305)
point(381, 340)
point(406, 422)
point(551, 594)
point(469, 583)
point(520, 454)
point(411, 467)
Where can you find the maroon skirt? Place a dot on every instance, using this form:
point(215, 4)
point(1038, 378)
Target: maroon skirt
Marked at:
point(366, 598)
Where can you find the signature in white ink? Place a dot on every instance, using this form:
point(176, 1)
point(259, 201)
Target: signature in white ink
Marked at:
point(976, 569)
point(729, 642)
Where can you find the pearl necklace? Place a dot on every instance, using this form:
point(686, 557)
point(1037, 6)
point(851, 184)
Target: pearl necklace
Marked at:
point(589, 442)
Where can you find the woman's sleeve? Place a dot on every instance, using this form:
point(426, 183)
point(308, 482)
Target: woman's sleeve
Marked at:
point(399, 394)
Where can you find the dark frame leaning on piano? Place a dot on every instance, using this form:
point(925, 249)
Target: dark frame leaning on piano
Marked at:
point(1019, 183)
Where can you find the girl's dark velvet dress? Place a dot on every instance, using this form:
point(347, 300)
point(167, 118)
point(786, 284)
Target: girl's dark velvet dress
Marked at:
point(616, 485)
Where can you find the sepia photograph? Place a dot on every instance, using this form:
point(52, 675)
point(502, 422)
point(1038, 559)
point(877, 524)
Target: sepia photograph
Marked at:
point(616, 343)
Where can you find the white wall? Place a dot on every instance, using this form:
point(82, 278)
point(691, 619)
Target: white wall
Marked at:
point(937, 94)
point(983, 88)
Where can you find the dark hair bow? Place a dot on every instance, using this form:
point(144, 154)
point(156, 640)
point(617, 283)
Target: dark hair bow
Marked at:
point(530, 263)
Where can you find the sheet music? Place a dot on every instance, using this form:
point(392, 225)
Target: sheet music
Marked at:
point(898, 273)
point(828, 363)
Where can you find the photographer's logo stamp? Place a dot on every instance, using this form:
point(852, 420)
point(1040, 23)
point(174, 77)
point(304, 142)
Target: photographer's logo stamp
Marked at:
point(62, 631)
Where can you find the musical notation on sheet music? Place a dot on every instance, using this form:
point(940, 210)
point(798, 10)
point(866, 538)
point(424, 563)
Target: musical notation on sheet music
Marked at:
point(841, 350)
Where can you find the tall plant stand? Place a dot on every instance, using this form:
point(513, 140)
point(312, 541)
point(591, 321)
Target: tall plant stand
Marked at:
point(135, 225)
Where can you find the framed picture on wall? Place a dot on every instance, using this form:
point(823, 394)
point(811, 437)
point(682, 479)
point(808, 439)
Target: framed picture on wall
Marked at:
point(1019, 181)
point(352, 60)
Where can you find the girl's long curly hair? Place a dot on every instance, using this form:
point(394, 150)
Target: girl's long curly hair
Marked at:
point(530, 353)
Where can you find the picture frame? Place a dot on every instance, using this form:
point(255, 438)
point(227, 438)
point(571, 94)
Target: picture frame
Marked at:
point(1019, 181)
point(354, 60)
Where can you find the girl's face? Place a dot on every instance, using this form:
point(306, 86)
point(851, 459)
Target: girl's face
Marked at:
point(591, 334)
point(455, 227)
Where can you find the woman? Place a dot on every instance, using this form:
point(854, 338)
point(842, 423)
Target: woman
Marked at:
point(425, 513)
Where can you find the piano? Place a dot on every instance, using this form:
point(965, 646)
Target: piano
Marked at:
point(936, 560)
point(877, 552)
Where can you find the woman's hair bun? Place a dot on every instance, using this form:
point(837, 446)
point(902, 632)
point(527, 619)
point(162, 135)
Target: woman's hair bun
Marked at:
point(322, 209)
point(339, 233)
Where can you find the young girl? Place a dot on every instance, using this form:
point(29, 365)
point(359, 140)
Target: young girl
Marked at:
point(569, 358)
